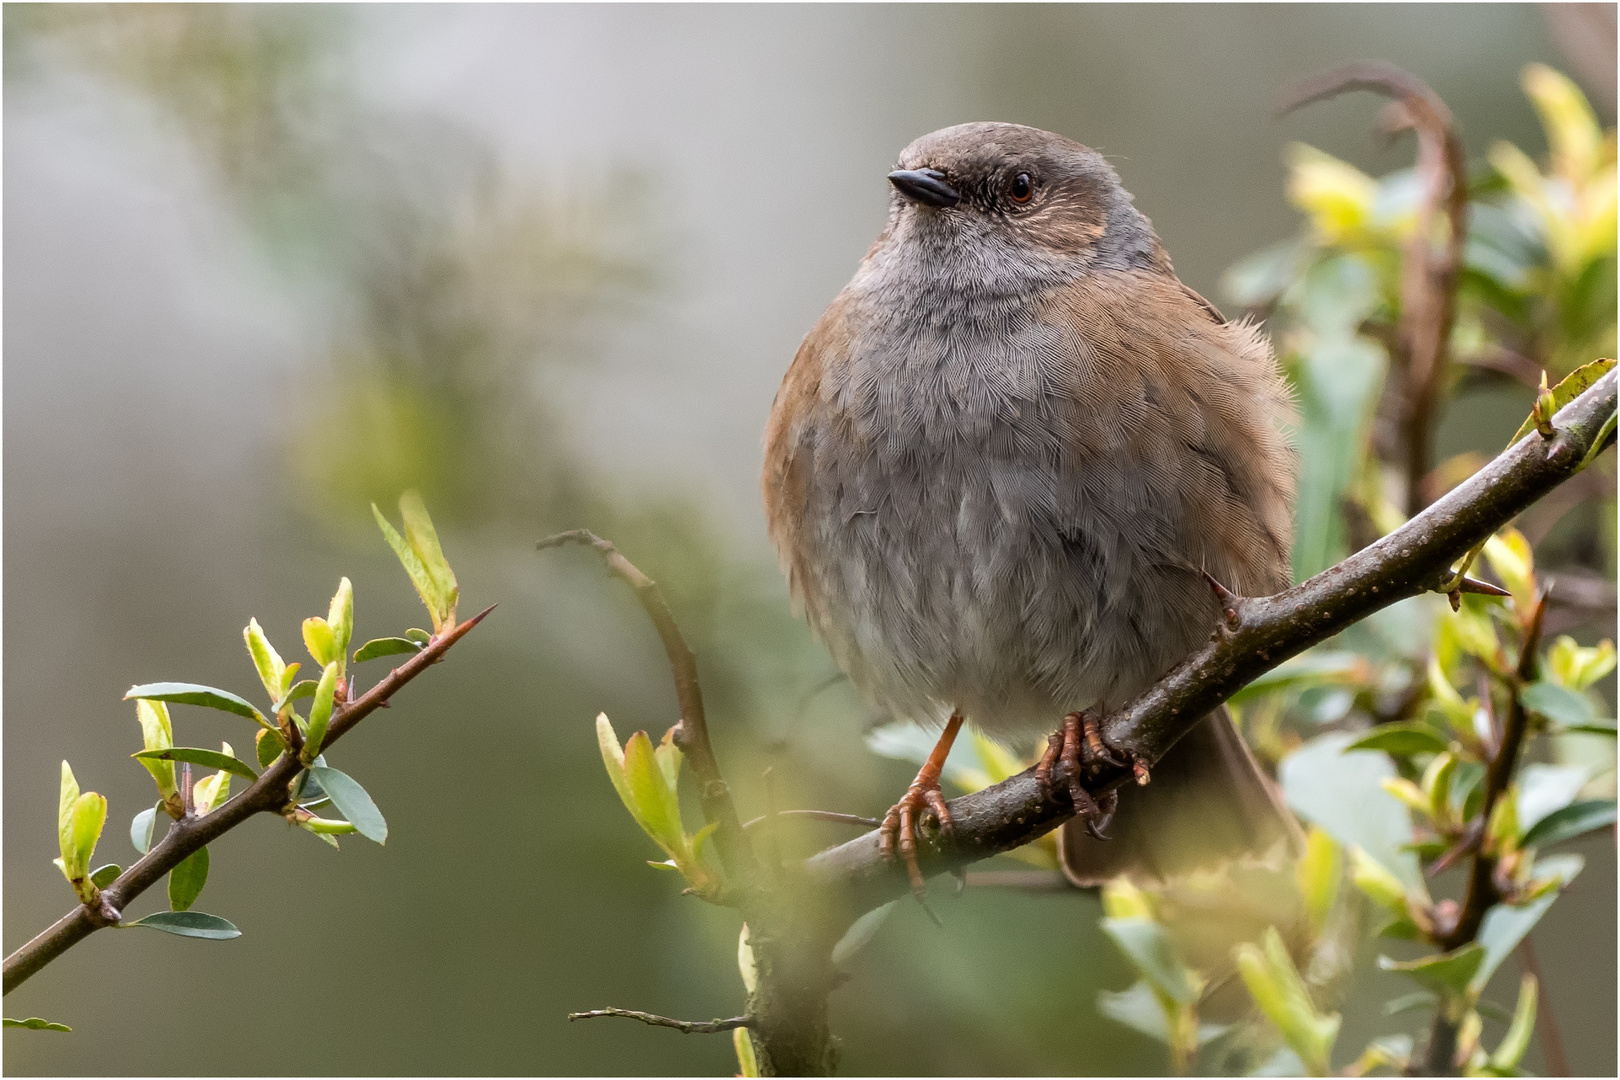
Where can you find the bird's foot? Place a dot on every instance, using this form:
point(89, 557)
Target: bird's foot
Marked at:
point(923, 800)
point(1080, 746)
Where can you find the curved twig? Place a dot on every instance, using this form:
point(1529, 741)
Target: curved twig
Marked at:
point(692, 734)
point(267, 794)
point(1428, 275)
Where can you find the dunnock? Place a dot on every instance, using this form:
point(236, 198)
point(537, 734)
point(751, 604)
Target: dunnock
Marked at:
point(1000, 467)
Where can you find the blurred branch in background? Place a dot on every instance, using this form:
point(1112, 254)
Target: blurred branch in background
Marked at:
point(1430, 261)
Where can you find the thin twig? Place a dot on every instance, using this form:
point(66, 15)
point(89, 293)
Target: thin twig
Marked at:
point(819, 815)
point(692, 734)
point(1416, 558)
point(267, 794)
point(687, 1027)
point(1482, 891)
point(1428, 276)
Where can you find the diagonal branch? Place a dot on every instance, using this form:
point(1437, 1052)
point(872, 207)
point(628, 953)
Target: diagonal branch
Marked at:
point(267, 794)
point(1414, 559)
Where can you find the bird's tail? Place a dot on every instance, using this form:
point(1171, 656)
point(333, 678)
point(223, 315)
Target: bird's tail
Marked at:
point(1208, 802)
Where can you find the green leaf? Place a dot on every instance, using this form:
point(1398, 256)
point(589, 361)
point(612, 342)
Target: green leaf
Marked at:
point(188, 924)
point(655, 804)
point(420, 578)
point(859, 934)
point(140, 828)
point(1570, 821)
point(1339, 375)
point(1505, 925)
point(340, 618)
point(327, 827)
point(1139, 1009)
point(303, 688)
point(1568, 389)
point(424, 540)
point(607, 741)
point(1341, 790)
point(269, 746)
point(1417, 999)
point(743, 1044)
point(186, 881)
point(34, 1023)
point(1318, 875)
point(103, 876)
point(1402, 739)
point(68, 798)
point(1543, 789)
point(1147, 947)
point(1596, 727)
point(352, 802)
point(1258, 279)
point(421, 637)
point(157, 733)
point(271, 668)
point(1312, 668)
point(668, 756)
point(320, 713)
point(320, 641)
point(385, 646)
point(211, 759)
point(1510, 1051)
point(1577, 667)
point(1448, 973)
point(1274, 984)
point(86, 819)
point(1559, 704)
point(193, 694)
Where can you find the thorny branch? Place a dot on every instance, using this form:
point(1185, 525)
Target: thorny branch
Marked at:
point(1414, 559)
point(1428, 274)
point(1482, 887)
point(267, 794)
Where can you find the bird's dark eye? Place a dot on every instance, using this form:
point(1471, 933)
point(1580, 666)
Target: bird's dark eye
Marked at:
point(1021, 189)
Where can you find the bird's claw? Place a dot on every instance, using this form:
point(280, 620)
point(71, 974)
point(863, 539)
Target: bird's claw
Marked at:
point(1080, 746)
point(922, 801)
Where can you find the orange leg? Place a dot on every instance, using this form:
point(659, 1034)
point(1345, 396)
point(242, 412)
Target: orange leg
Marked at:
point(1078, 744)
point(921, 799)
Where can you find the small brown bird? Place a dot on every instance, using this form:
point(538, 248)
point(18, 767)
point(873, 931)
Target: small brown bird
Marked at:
point(1000, 466)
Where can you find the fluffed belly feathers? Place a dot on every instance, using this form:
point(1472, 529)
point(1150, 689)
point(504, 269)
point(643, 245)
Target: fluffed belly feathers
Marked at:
point(1003, 520)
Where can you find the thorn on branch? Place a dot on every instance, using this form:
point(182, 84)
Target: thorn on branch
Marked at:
point(685, 1027)
point(1465, 584)
point(1224, 597)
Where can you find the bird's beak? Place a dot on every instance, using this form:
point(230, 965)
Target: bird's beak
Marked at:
point(926, 186)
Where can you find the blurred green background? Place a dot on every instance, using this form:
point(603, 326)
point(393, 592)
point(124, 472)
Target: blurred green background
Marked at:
point(264, 264)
